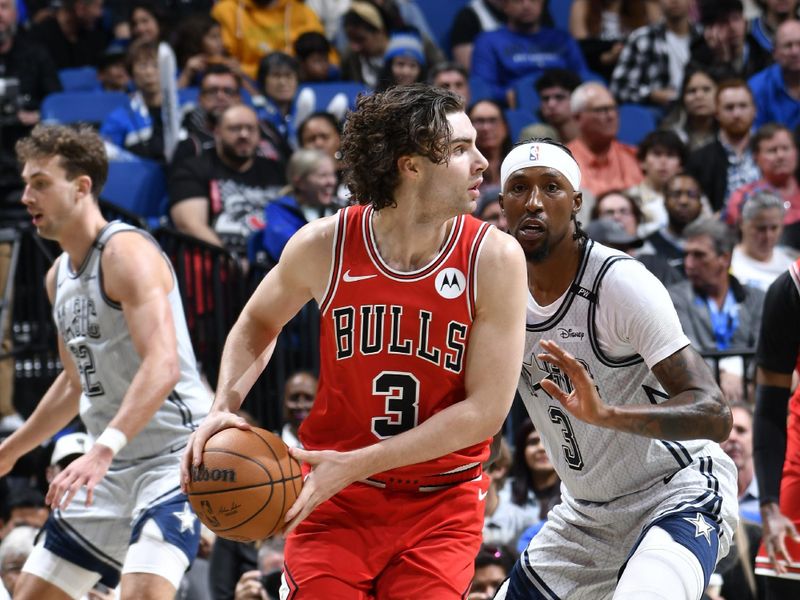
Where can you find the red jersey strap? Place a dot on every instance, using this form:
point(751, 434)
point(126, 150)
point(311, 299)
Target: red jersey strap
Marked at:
point(336, 260)
point(474, 255)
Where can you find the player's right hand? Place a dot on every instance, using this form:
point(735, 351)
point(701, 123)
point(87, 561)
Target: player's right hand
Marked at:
point(777, 527)
point(217, 420)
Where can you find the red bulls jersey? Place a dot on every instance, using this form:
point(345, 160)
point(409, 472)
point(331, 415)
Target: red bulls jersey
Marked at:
point(791, 469)
point(393, 346)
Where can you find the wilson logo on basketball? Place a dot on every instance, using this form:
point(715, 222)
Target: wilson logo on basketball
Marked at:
point(202, 474)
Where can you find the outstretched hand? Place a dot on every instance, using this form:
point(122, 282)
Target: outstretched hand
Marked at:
point(214, 422)
point(583, 401)
point(86, 470)
point(331, 472)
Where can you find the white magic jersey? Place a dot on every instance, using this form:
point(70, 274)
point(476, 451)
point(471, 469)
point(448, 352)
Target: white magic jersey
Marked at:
point(598, 464)
point(96, 336)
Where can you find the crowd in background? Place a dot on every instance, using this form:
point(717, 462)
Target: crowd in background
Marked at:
point(227, 100)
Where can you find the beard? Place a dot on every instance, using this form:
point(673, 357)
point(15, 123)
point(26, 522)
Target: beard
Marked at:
point(234, 157)
point(539, 254)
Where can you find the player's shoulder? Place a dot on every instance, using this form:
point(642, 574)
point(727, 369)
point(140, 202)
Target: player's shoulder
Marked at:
point(500, 246)
point(316, 236)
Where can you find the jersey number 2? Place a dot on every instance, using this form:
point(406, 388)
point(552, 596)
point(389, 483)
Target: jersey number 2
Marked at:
point(401, 407)
point(83, 356)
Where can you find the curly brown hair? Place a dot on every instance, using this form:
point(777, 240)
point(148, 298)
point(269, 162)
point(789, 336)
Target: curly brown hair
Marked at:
point(80, 149)
point(402, 121)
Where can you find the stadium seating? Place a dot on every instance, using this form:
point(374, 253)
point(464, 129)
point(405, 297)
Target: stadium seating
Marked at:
point(518, 119)
point(138, 186)
point(440, 15)
point(335, 97)
point(559, 10)
point(79, 79)
point(76, 107)
point(635, 122)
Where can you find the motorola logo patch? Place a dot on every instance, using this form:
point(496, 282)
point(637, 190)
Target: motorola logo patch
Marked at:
point(450, 283)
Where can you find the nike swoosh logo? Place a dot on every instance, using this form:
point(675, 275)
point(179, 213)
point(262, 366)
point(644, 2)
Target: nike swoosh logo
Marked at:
point(482, 494)
point(351, 278)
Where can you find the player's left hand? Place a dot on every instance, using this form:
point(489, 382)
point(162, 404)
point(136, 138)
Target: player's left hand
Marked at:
point(583, 402)
point(331, 472)
point(86, 470)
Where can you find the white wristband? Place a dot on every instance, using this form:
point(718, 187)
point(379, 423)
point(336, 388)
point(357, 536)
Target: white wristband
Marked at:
point(112, 438)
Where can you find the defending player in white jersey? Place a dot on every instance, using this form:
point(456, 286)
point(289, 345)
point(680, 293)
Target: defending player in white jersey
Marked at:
point(129, 370)
point(625, 407)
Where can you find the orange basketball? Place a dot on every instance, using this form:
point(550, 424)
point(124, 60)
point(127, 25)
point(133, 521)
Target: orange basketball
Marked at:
point(245, 484)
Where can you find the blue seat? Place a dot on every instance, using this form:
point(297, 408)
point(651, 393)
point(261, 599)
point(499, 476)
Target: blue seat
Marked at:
point(518, 119)
point(635, 122)
point(79, 79)
point(559, 10)
point(138, 186)
point(440, 14)
point(75, 107)
point(525, 92)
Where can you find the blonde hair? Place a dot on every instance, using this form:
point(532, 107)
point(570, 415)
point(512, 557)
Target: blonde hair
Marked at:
point(301, 165)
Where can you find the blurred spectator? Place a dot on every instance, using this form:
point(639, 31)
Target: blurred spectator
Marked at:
point(367, 30)
point(725, 164)
point(693, 117)
point(521, 48)
point(534, 483)
point(14, 551)
point(23, 505)
point(493, 137)
point(493, 565)
point(610, 231)
point(503, 520)
point(716, 311)
point(451, 76)
point(726, 47)
point(774, 88)
point(264, 581)
point(601, 26)
point(757, 259)
point(139, 126)
point(194, 585)
point(773, 13)
point(661, 154)
point(147, 21)
point(112, 71)
point(220, 196)
point(605, 162)
point(28, 75)
point(253, 28)
point(313, 50)
point(650, 68)
point(554, 88)
point(219, 90)
point(322, 131)
point(228, 563)
point(278, 79)
point(775, 153)
point(683, 203)
point(298, 398)
point(74, 36)
point(67, 448)
point(621, 207)
point(308, 196)
point(739, 446)
point(198, 46)
point(403, 63)
point(476, 17)
point(489, 209)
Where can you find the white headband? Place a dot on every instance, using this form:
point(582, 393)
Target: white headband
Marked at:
point(535, 154)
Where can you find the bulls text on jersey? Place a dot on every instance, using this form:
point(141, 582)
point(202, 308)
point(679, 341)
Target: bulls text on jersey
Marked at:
point(365, 329)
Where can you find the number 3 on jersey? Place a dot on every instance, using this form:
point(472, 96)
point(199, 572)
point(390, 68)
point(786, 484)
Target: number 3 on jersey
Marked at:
point(401, 403)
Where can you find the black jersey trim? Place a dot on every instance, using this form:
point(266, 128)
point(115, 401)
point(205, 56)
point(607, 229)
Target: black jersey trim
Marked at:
point(553, 320)
point(627, 361)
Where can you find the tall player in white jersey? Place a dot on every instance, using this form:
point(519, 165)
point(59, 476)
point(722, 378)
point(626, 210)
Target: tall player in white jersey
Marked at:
point(129, 371)
point(625, 407)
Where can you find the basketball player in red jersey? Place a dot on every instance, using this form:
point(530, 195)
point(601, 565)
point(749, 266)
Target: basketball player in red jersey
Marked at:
point(776, 442)
point(422, 326)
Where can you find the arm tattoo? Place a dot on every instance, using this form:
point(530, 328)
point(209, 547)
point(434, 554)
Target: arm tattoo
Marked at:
point(696, 408)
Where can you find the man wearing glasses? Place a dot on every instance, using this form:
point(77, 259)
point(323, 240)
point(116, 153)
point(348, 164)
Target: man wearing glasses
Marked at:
point(606, 163)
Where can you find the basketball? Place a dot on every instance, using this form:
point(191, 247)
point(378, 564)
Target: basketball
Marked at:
point(245, 484)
